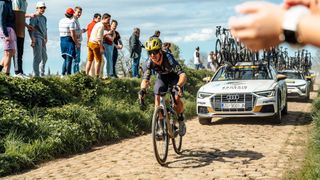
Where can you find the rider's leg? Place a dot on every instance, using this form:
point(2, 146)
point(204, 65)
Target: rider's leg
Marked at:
point(157, 104)
point(179, 109)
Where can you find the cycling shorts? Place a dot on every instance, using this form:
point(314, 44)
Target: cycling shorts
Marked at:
point(163, 81)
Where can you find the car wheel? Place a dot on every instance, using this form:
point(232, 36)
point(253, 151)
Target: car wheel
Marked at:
point(277, 118)
point(204, 121)
point(308, 97)
point(285, 108)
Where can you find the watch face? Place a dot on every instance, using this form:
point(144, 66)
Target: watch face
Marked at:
point(290, 36)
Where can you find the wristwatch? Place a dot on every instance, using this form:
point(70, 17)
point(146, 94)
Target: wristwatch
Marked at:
point(291, 22)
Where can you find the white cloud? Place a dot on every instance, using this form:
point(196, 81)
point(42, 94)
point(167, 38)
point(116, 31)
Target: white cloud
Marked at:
point(204, 35)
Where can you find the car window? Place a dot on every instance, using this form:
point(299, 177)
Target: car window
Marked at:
point(292, 75)
point(243, 73)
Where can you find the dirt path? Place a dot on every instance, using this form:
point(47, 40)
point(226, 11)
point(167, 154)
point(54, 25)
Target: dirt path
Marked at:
point(227, 149)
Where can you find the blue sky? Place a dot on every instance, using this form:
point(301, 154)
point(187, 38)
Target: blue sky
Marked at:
point(188, 23)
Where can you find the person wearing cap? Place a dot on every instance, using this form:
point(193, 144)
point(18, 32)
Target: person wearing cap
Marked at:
point(7, 35)
point(68, 40)
point(79, 31)
point(39, 39)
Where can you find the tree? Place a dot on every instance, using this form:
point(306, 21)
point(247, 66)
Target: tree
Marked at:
point(175, 50)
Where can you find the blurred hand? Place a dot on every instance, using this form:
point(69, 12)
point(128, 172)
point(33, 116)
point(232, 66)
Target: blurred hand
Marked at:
point(261, 26)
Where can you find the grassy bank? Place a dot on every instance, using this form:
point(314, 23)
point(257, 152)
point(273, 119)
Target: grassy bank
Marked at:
point(311, 166)
point(44, 118)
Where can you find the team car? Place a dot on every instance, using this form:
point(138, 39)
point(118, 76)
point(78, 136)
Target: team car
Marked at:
point(298, 86)
point(243, 90)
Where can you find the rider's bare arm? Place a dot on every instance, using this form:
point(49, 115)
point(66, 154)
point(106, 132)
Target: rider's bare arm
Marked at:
point(144, 84)
point(182, 79)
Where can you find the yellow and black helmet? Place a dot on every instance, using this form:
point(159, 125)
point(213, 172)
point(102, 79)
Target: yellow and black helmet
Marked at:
point(153, 43)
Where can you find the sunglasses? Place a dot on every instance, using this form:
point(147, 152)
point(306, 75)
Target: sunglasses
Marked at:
point(42, 7)
point(154, 52)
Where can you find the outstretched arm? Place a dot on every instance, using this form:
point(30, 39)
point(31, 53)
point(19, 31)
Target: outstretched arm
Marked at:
point(261, 28)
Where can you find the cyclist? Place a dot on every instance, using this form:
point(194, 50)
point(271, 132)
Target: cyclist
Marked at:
point(169, 72)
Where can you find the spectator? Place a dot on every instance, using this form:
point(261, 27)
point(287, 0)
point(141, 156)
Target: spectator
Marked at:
point(109, 35)
point(68, 40)
point(20, 8)
point(196, 59)
point(96, 19)
point(79, 31)
point(212, 61)
point(268, 23)
point(39, 39)
point(95, 45)
point(166, 47)
point(156, 34)
point(7, 34)
point(135, 46)
point(117, 45)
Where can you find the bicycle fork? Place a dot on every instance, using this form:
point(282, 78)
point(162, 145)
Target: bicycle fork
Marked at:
point(166, 117)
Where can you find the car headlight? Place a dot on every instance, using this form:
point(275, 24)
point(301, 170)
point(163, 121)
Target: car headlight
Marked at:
point(269, 93)
point(202, 95)
point(302, 87)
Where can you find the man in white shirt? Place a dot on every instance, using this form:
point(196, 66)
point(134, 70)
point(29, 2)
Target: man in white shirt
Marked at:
point(79, 31)
point(95, 44)
point(196, 59)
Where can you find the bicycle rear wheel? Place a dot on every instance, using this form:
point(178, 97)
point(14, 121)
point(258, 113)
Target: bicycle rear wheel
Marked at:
point(160, 143)
point(218, 52)
point(176, 141)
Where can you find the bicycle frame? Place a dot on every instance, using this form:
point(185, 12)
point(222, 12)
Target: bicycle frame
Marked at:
point(167, 119)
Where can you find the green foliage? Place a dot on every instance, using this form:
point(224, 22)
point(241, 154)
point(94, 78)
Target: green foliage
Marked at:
point(311, 167)
point(86, 88)
point(35, 92)
point(80, 115)
point(42, 118)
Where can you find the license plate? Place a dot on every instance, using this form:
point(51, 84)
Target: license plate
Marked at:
point(232, 105)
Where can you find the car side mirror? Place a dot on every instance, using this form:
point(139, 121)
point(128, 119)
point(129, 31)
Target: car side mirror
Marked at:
point(281, 77)
point(308, 78)
point(206, 79)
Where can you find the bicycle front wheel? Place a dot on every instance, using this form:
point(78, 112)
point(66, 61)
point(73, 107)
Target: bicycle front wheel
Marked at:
point(160, 137)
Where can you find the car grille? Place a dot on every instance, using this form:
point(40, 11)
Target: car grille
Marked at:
point(247, 98)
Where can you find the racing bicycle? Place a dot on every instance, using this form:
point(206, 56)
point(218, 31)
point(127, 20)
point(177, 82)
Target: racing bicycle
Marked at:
point(167, 127)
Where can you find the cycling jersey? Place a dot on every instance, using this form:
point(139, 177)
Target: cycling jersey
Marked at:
point(169, 66)
point(167, 73)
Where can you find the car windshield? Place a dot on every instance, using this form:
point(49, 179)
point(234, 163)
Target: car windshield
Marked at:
point(243, 73)
point(292, 75)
